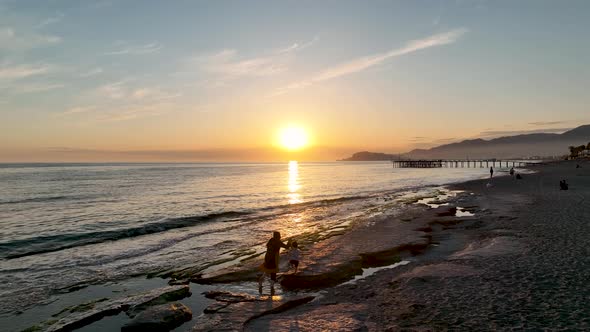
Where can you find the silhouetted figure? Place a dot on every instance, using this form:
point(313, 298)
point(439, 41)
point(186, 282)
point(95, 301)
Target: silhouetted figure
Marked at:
point(511, 171)
point(271, 261)
point(294, 256)
point(563, 185)
point(491, 172)
point(518, 177)
point(578, 166)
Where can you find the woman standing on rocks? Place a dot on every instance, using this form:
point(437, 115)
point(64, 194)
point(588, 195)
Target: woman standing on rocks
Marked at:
point(271, 260)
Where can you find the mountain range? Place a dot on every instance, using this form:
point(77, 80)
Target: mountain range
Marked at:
point(518, 146)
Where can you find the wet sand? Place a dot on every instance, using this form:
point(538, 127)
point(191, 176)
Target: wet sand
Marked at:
point(522, 262)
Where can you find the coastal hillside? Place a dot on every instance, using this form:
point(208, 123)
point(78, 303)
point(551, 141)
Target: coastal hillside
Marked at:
point(519, 146)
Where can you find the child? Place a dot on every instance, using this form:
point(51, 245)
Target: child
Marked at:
point(294, 256)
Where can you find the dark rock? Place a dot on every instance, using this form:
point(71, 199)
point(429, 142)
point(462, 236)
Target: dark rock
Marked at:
point(80, 307)
point(215, 307)
point(159, 318)
point(248, 274)
point(82, 315)
point(283, 307)
point(229, 297)
point(334, 276)
point(173, 282)
point(450, 222)
point(380, 258)
point(450, 212)
point(158, 296)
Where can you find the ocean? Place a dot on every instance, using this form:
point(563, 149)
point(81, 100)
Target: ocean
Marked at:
point(64, 226)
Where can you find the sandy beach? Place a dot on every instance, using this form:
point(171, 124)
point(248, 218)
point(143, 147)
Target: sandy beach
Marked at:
point(520, 263)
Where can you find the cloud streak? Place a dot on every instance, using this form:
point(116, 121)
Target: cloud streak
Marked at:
point(228, 63)
point(498, 133)
point(51, 20)
point(126, 48)
point(15, 72)
point(363, 63)
point(92, 72)
point(76, 110)
point(546, 123)
point(12, 40)
point(122, 91)
point(37, 87)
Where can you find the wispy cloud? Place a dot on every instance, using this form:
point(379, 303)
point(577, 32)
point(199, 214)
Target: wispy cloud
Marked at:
point(546, 123)
point(228, 62)
point(13, 40)
point(36, 87)
point(114, 90)
point(499, 133)
point(424, 142)
point(298, 46)
point(76, 110)
point(363, 63)
point(445, 140)
point(131, 112)
point(15, 72)
point(124, 111)
point(123, 90)
point(126, 48)
point(92, 72)
point(153, 94)
point(51, 20)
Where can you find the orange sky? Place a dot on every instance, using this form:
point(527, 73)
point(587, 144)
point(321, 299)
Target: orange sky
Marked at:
point(201, 84)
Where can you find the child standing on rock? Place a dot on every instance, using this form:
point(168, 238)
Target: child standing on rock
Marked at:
point(294, 256)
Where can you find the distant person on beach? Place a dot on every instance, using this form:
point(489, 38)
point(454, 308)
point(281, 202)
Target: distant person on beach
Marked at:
point(271, 261)
point(511, 171)
point(563, 185)
point(294, 256)
point(491, 172)
point(578, 166)
point(518, 177)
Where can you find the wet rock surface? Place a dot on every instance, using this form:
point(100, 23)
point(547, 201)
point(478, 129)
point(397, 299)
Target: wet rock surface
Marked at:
point(232, 311)
point(162, 317)
point(339, 258)
point(81, 315)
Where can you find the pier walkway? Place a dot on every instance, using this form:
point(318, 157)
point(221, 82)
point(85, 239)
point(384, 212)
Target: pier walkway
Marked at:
point(458, 163)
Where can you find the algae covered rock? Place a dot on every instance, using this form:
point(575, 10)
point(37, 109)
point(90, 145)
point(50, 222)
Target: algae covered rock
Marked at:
point(162, 317)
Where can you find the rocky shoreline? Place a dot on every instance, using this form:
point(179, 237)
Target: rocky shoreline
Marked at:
point(520, 263)
point(432, 259)
point(329, 261)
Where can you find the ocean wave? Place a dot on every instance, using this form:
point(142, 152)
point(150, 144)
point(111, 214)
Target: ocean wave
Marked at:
point(36, 200)
point(44, 244)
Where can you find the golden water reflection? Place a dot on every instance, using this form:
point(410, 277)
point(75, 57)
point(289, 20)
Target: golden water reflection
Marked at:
point(293, 186)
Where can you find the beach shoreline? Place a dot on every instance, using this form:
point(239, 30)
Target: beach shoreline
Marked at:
point(522, 263)
point(424, 235)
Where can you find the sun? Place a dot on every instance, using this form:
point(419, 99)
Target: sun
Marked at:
point(293, 138)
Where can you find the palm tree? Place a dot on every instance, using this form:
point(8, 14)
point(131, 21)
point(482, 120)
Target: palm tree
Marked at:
point(572, 151)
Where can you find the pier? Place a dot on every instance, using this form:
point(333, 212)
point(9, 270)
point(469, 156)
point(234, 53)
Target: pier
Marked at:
point(458, 163)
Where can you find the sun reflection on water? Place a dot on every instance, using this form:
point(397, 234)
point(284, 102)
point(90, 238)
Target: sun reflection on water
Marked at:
point(293, 186)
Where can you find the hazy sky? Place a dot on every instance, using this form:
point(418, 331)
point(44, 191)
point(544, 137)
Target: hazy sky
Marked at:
point(215, 80)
